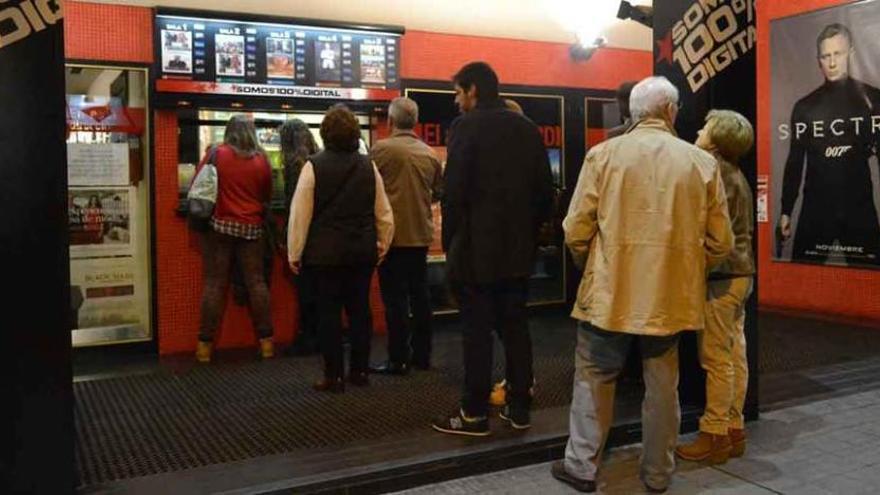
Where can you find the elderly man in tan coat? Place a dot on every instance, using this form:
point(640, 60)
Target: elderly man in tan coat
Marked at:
point(647, 219)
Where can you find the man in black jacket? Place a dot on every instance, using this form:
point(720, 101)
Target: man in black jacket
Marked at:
point(498, 192)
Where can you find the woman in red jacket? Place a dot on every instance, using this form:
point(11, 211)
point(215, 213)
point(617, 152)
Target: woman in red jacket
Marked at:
point(244, 190)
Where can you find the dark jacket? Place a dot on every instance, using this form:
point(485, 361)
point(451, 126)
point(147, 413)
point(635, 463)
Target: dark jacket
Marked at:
point(499, 190)
point(343, 227)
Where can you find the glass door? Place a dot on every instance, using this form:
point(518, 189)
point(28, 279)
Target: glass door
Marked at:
point(108, 205)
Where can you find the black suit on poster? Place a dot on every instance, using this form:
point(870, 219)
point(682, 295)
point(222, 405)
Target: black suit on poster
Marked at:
point(499, 189)
point(838, 198)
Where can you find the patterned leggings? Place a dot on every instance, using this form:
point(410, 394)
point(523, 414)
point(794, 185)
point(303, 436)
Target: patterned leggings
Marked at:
point(217, 255)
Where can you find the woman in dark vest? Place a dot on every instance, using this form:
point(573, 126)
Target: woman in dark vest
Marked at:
point(244, 187)
point(340, 227)
point(297, 145)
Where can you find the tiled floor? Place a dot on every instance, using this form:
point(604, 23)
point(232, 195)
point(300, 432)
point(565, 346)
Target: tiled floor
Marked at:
point(826, 447)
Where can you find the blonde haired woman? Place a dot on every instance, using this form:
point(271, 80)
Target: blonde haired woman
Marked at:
point(722, 342)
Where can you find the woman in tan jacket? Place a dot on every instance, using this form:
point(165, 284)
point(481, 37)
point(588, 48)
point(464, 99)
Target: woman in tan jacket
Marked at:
point(722, 342)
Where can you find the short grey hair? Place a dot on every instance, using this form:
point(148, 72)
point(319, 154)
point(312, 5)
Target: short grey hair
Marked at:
point(403, 112)
point(650, 96)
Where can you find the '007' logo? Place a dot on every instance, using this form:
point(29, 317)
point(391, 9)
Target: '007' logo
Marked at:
point(836, 151)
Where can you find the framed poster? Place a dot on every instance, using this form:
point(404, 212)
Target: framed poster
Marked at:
point(100, 221)
point(825, 130)
point(437, 110)
point(103, 293)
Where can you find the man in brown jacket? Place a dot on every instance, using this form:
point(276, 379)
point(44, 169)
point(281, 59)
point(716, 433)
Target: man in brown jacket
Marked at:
point(647, 217)
point(413, 180)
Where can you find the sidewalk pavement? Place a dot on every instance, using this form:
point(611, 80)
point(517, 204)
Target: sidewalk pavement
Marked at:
point(827, 447)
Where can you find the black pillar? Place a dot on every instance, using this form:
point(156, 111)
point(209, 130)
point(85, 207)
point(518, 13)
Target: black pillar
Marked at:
point(37, 410)
point(707, 49)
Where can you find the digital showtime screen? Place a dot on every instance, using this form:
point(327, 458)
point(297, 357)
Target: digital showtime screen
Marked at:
point(227, 56)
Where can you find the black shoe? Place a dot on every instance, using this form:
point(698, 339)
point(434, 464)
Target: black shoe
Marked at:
point(420, 365)
point(558, 471)
point(390, 368)
point(359, 378)
point(301, 348)
point(457, 424)
point(519, 419)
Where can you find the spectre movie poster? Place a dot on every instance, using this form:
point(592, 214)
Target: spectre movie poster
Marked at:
point(825, 111)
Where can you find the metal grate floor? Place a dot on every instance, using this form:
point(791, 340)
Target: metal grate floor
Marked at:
point(168, 420)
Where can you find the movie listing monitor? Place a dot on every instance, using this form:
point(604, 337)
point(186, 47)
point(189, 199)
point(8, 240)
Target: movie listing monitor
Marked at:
point(204, 53)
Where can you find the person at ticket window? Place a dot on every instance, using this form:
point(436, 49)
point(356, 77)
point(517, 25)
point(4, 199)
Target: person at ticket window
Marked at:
point(340, 228)
point(297, 145)
point(413, 181)
point(244, 188)
point(832, 135)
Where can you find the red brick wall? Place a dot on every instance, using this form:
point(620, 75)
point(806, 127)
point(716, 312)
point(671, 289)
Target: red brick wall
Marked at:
point(838, 292)
point(117, 33)
point(439, 56)
point(124, 34)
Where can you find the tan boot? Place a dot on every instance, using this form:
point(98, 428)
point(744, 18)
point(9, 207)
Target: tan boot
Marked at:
point(203, 352)
point(738, 441)
point(267, 348)
point(498, 397)
point(714, 448)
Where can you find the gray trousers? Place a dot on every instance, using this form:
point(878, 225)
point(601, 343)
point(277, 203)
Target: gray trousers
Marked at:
point(599, 359)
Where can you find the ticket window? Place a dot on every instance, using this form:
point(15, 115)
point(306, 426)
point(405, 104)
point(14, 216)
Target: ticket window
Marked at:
point(201, 129)
point(108, 205)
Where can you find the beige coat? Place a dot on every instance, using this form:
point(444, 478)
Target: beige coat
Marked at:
point(413, 180)
point(648, 217)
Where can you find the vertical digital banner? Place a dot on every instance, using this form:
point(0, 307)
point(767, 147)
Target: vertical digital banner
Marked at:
point(825, 114)
point(707, 49)
point(38, 402)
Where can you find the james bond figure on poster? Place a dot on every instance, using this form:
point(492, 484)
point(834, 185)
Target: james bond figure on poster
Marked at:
point(832, 133)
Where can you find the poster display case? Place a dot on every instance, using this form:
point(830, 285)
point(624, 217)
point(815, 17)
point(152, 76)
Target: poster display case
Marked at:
point(437, 110)
point(108, 205)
